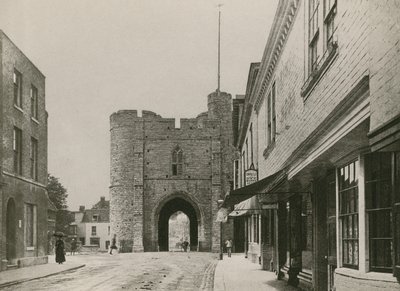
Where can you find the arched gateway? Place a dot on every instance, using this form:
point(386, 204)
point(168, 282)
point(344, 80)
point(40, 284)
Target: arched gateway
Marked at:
point(163, 215)
point(158, 169)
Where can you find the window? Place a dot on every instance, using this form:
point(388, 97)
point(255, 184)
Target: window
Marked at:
point(348, 213)
point(95, 241)
point(108, 230)
point(247, 154)
point(17, 148)
point(236, 169)
point(255, 228)
point(17, 78)
point(329, 15)
point(251, 144)
point(29, 225)
point(378, 194)
point(268, 226)
point(273, 115)
point(34, 102)
point(313, 33)
point(243, 168)
point(95, 217)
point(94, 232)
point(269, 125)
point(34, 159)
point(177, 162)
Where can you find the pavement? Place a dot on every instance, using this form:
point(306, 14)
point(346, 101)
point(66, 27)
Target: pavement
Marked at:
point(231, 274)
point(16, 276)
point(239, 274)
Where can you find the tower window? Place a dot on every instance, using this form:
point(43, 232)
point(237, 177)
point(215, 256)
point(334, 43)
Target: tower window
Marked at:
point(177, 162)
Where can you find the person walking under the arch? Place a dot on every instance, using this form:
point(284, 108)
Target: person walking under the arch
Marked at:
point(228, 245)
point(113, 244)
point(73, 246)
point(185, 245)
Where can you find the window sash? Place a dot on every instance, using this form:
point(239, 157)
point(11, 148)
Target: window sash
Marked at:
point(17, 147)
point(17, 80)
point(34, 102)
point(34, 159)
point(348, 213)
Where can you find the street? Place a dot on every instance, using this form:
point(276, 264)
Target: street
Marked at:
point(132, 271)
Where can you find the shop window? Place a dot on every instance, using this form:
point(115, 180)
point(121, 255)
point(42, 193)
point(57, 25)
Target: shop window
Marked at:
point(348, 212)
point(177, 162)
point(256, 225)
point(378, 194)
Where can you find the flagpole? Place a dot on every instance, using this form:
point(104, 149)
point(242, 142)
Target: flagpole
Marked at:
point(219, 48)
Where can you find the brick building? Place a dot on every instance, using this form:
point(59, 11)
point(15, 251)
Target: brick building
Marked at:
point(23, 160)
point(158, 170)
point(320, 125)
point(91, 227)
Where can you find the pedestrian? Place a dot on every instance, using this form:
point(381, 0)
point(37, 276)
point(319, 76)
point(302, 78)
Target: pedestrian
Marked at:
point(60, 251)
point(228, 245)
point(185, 245)
point(73, 247)
point(113, 244)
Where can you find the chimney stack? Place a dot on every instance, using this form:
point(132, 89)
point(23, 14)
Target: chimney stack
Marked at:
point(81, 208)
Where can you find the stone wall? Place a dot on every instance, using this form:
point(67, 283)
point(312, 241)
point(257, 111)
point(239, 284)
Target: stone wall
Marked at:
point(142, 179)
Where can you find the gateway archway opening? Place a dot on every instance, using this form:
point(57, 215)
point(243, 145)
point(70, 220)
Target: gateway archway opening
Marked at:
point(178, 230)
point(10, 230)
point(170, 210)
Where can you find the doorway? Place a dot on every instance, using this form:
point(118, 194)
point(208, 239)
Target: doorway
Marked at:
point(10, 231)
point(167, 211)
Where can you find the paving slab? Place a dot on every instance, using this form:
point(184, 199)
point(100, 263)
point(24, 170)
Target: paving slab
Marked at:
point(16, 276)
point(239, 274)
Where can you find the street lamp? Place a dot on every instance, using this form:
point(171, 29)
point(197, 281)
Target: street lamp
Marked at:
point(221, 250)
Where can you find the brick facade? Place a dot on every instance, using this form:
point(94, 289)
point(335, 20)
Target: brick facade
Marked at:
point(143, 182)
point(19, 189)
point(341, 110)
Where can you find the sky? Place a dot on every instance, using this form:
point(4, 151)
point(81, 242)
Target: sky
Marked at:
point(101, 56)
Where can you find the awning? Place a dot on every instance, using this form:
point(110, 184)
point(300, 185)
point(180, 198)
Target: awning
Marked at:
point(262, 186)
point(247, 207)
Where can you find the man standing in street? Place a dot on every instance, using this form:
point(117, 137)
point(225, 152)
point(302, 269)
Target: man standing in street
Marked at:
point(228, 245)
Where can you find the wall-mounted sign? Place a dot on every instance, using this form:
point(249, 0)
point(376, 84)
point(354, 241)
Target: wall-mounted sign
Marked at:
point(251, 175)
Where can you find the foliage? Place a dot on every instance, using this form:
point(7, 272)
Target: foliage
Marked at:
point(57, 193)
point(58, 196)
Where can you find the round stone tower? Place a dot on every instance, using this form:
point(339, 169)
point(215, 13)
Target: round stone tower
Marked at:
point(126, 176)
point(220, 107)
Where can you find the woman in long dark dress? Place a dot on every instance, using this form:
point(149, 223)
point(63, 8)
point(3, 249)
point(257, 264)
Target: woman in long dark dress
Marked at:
point(60, 257)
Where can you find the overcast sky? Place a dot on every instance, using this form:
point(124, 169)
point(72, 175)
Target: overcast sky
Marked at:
point(100, 56)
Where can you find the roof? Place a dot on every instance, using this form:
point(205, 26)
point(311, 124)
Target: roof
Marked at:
point(103, 215)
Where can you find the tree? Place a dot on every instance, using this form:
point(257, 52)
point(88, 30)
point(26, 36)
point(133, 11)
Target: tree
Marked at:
point(58, 196)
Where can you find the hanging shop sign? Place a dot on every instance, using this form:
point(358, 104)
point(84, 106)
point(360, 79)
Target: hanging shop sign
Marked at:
point(251, 175)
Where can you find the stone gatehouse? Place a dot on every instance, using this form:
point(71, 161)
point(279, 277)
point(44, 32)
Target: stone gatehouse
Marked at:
point(158, 169)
